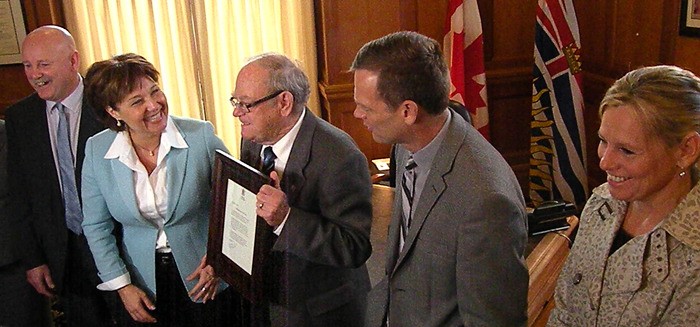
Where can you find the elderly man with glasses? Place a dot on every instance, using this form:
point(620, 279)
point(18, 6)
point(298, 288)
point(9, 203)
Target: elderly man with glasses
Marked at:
point(318, 204)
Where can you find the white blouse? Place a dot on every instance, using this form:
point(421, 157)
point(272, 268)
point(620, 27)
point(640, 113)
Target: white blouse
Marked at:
point(151, 190)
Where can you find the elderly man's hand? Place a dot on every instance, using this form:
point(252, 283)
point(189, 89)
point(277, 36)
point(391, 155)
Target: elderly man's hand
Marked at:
point(272, 202)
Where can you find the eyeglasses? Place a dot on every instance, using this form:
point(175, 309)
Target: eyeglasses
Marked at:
point(246, 107)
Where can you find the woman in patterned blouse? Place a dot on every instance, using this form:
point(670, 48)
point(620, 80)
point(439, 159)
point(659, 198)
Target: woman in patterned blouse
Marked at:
point(636, 258)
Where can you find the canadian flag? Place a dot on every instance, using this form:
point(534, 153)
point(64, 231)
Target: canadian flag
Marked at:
point(464, 52)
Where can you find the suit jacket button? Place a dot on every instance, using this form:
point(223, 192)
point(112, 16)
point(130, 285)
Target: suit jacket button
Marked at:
point(577, 278)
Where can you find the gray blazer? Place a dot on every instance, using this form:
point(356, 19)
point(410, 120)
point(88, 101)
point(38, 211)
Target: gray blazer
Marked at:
point(320, 277)
point(462, 264)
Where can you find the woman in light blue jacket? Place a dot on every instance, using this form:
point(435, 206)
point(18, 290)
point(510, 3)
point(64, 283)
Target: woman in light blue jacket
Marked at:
point(149, 173)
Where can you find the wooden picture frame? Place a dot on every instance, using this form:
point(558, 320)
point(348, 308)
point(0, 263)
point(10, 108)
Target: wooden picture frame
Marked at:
point(12, 32)
point(227, 169)
point(690, 18)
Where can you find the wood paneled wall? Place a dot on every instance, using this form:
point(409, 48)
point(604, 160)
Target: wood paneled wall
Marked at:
point(616, 36)
point(14, 83)
point(343, 27)
point(622, 35)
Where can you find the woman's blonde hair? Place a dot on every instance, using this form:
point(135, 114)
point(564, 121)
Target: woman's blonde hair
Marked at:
point(666, 99)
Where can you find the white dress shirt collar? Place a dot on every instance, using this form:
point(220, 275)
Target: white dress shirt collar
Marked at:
point(151, 190)
point(283, 147)
point(121, 146)
point(74, 101)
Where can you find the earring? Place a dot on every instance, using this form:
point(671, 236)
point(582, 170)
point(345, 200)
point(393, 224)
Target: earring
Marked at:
point(682, 173)
point(119, 123)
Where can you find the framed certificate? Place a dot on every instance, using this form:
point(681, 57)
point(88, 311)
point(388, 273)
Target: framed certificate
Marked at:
point(239, 241)
point(690, 18)
point(12, 31)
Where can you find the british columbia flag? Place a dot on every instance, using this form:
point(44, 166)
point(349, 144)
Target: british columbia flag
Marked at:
point(464, 52)
point(557, 143)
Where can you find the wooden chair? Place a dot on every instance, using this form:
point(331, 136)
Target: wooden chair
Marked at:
point(544, 263)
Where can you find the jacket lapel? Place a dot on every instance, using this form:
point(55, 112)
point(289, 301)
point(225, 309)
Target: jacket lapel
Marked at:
point(177, 168)
point(250, 154)
point(394, 237)
point(610, 214)
point(126, 188)
point(41, 130)
point(299, 156)
point(88, 126)
point(434, 184)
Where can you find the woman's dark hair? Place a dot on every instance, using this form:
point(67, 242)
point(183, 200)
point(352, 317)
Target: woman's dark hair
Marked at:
point(109, 81)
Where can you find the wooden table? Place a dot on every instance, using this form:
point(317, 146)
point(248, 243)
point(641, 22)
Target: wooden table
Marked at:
point(545, 255)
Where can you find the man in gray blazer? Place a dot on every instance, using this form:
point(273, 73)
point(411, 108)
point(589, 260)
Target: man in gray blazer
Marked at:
point(458, 231)
point(319, 203)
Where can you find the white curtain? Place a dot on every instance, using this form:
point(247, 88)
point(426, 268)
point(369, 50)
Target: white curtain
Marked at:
point(197, 45)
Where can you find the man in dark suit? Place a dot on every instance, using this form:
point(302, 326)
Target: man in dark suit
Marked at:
point(458, 231)
point(57, 259)
point(319, 204)
point(20, 305)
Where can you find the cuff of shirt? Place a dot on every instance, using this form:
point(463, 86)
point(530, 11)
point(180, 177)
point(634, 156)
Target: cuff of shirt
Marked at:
point(115, 284)
point(278, 230)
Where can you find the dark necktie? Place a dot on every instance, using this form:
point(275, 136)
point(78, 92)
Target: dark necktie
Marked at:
point(408, 184)
point(71, 203)
point(268, 161)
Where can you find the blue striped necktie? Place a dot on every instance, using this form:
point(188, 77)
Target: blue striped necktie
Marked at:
point(268, 161)
point(71, 203)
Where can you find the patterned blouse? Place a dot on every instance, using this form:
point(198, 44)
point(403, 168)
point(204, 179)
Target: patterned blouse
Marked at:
point(652, 280)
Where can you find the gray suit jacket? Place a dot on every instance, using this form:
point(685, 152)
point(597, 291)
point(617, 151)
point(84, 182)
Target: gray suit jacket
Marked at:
point(462, 264)
point(320, 277)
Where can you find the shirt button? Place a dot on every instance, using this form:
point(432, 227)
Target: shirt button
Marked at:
point(577, 278)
